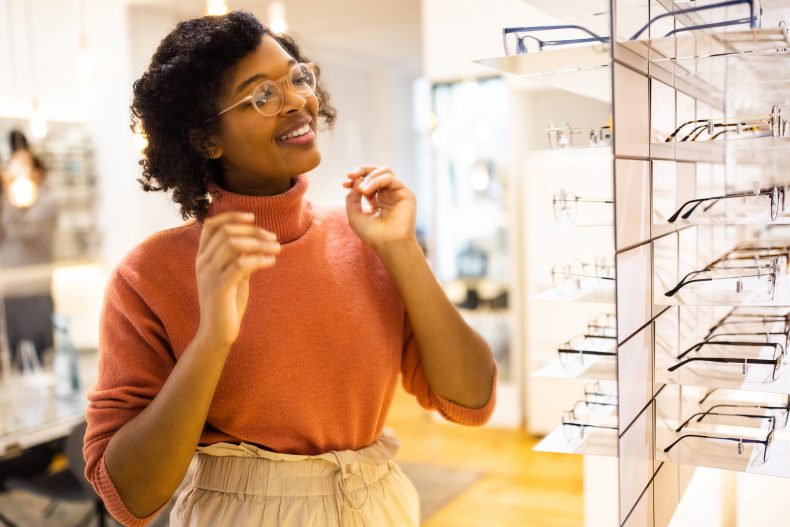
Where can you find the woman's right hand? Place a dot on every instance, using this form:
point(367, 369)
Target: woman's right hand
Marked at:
point(231, 248)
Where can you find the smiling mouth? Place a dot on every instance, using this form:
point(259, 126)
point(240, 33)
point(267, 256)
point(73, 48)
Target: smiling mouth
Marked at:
point(299, 132)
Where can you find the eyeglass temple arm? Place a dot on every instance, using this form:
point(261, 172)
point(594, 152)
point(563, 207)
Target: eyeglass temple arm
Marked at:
point(681, 284)
point(706, 413)
point(698, 345)
point(734, 439)
point(733, 405)
point(715, 199)
point(593, 36)
point(752, 20)
point(727, 360)
point(766, 192)
point(245, 100)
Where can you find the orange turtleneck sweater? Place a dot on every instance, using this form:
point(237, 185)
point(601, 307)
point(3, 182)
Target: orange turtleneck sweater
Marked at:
point(319, 352)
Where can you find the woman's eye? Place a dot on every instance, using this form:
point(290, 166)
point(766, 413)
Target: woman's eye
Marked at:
point(263, 96)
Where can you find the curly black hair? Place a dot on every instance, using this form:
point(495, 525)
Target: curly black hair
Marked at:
point(176, 100)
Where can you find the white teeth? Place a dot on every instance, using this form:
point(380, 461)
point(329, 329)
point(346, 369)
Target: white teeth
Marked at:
point(296, 133)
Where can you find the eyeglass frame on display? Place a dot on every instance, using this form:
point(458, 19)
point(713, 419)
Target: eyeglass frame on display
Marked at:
point(564, 198)
point(597, 137)
point(773, 192)
point(738, 286)
point(594, 389)
point(566, 349)
point(753, 20)
point(598, 266)
point(740, 440)
point(785, 408)
point(573, 420)
point(777, 361)
point(771, 418)
point(777, 125)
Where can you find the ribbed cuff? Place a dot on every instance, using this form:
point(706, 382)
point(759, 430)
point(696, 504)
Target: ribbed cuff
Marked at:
point(113, 502)
point(467, 416)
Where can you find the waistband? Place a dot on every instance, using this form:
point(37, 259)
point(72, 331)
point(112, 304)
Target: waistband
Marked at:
point(246, 470)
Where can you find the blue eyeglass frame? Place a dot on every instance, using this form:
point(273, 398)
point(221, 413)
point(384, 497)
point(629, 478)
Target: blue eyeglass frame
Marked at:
point(753, 20)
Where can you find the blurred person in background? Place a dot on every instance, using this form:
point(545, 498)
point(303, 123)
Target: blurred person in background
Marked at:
point(28, 219)
point(268, 332)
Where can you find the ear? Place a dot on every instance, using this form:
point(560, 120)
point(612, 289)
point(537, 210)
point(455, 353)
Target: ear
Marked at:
point(208, 146)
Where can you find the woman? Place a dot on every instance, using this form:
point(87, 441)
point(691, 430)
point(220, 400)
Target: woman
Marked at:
point(268, 332)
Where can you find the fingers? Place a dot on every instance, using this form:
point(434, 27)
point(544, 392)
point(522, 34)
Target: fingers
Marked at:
point(231, 230)
point(236, 247)
point(245, 265)
point(231, 245)
point(210, 225)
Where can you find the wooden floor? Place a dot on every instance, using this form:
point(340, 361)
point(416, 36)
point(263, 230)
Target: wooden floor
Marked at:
point(519, 488)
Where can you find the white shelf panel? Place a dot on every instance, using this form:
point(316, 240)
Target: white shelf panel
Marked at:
point(751, 150)
point(582, 70)
point(596, 368)
point(597, 443)
point(724, 454)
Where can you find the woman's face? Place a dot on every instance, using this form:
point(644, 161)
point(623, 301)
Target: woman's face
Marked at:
point(260, 154)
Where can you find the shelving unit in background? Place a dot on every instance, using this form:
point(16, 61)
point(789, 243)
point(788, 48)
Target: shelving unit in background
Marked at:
point(653, 85)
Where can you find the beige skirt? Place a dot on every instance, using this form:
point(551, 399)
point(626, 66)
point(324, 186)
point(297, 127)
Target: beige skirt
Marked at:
point(244, 486)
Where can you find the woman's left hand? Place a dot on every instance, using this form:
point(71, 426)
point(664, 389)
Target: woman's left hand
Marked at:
point(392, 218)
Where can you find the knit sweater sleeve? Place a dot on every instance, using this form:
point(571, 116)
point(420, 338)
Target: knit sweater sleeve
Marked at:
point(134, 362)
point(415, 383)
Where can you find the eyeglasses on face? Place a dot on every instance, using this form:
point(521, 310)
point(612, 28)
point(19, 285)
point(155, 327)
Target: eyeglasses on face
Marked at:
point(566, 205)
point(739, 440)
point(776, 194)
point(521, 40)
point(268, 97)
point(561, 136)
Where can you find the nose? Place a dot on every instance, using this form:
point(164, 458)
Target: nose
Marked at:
point(292, 101)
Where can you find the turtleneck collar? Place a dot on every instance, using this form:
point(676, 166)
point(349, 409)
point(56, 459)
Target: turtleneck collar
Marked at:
point(288, 215)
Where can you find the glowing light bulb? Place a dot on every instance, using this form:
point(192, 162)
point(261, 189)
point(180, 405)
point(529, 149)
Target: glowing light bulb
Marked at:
point(216, 7)
point(22, 192)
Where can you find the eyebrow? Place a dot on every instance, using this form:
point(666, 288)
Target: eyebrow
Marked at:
point(257, 77)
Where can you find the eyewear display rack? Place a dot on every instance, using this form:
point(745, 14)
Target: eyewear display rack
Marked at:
point(695, 372)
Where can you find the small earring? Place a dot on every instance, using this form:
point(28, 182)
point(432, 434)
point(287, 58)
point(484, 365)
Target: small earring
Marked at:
point(211, 154)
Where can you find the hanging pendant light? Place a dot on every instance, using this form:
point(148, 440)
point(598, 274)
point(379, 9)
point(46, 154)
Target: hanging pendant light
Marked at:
point(277, 21)
point(216, 7)
point(22, 189)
